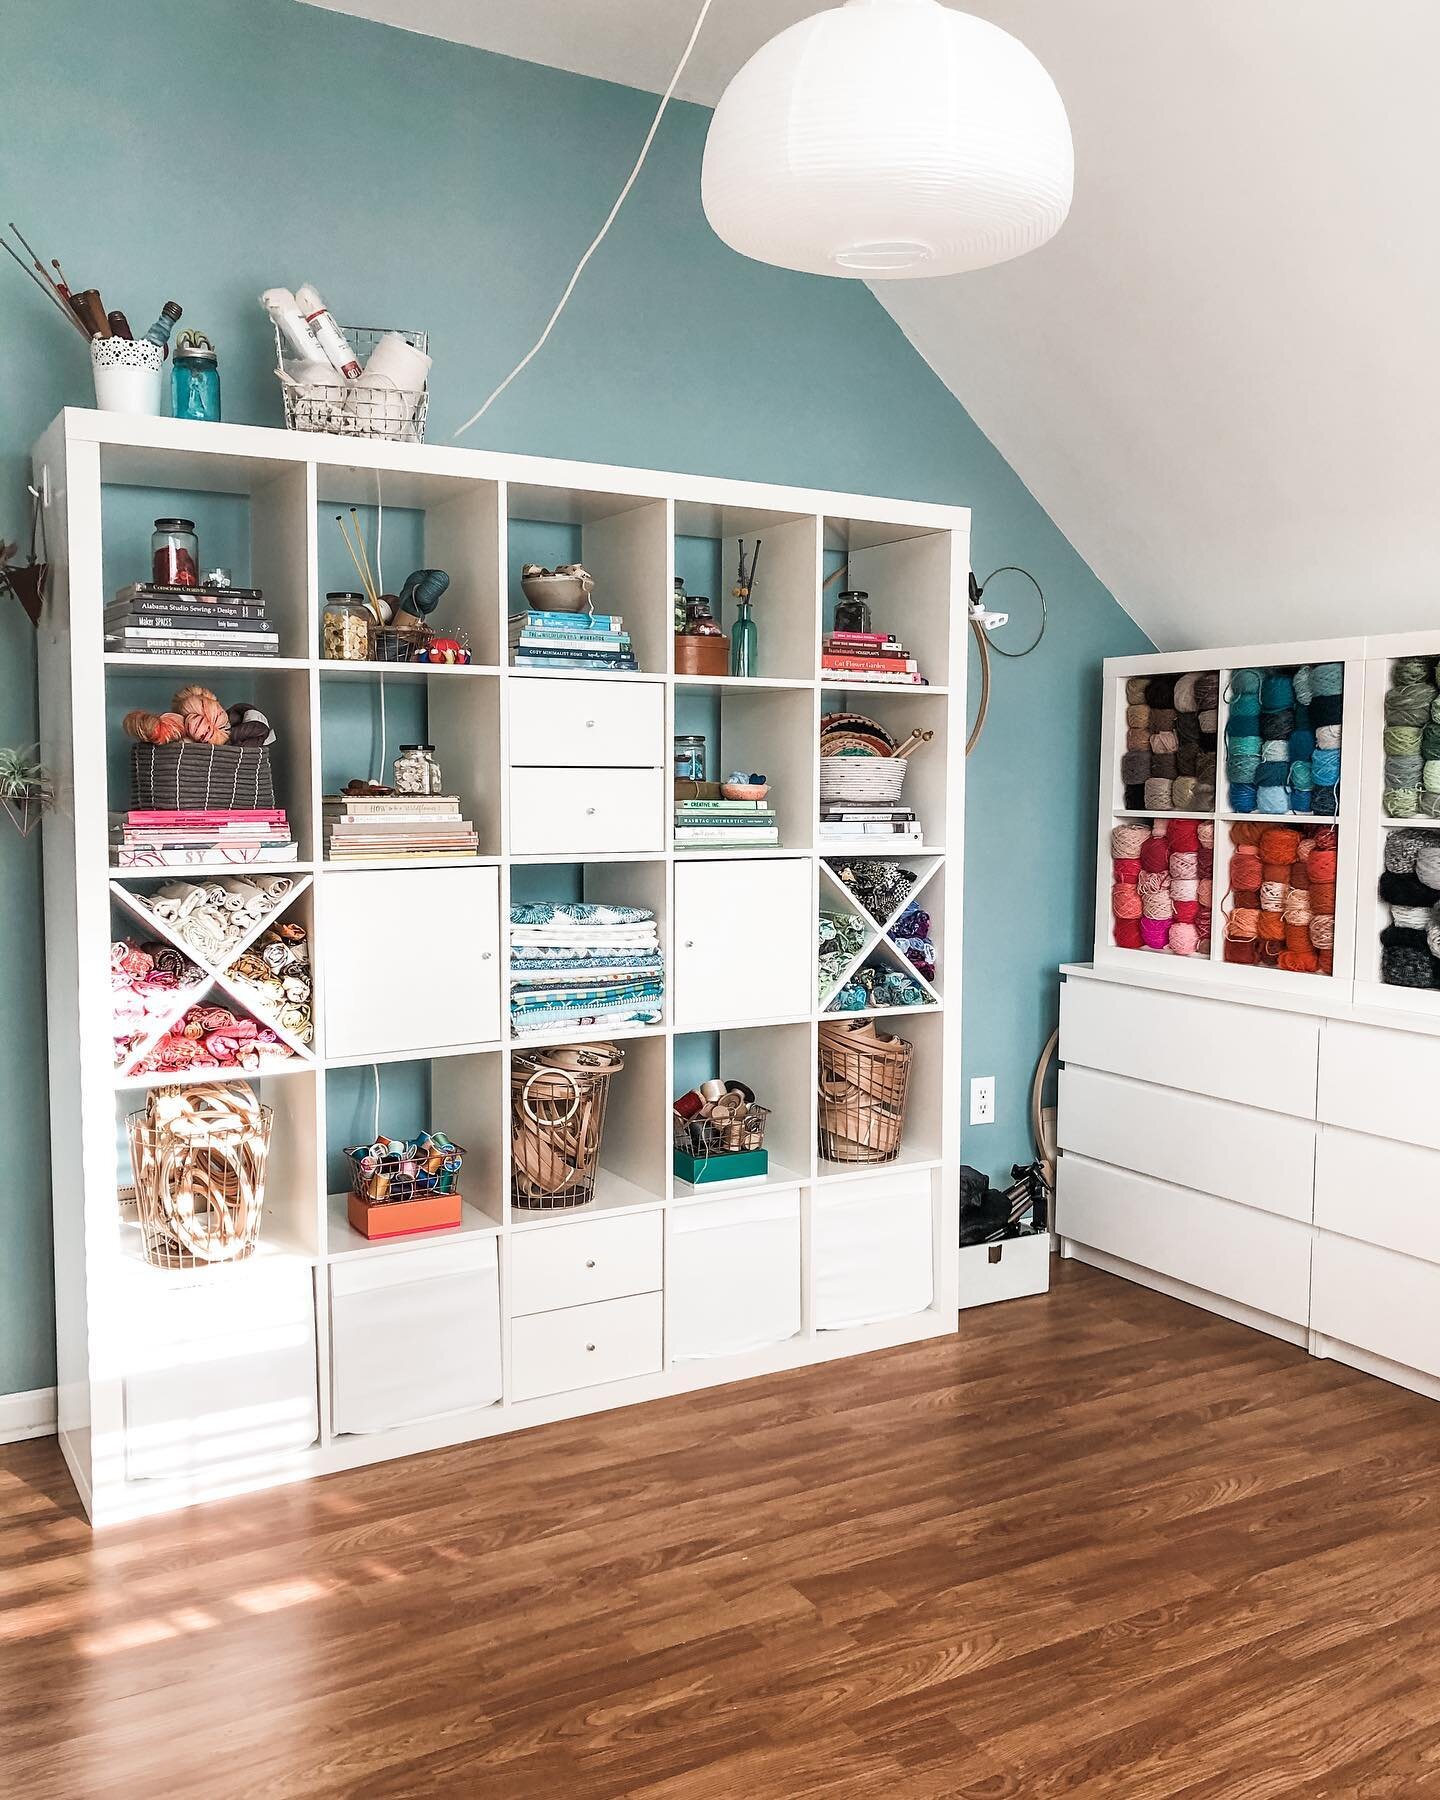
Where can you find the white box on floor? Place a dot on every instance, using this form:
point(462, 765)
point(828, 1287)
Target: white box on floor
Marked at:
point(414, 1334)
point(1005, 1271)
point(734, 1275)
point(873, 1250)
point(220, 1368)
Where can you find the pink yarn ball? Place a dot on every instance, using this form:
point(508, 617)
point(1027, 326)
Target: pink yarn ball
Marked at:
point(1155, 933)
point(1184, 940)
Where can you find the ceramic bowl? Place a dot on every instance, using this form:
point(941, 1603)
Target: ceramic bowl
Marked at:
point(556, 593)
point(744, 790)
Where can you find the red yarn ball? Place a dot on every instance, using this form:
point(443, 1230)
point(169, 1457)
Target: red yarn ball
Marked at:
point(1154, 855)
point(1127, 934)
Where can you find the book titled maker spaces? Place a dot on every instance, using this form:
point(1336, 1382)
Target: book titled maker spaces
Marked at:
point(152, 620)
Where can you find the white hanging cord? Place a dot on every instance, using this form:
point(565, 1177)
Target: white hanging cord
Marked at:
point(375, 1072)
point(599, 238)
point(380, 588)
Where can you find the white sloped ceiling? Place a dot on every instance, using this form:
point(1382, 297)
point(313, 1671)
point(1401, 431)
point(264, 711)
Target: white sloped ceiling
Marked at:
point(1222, 379)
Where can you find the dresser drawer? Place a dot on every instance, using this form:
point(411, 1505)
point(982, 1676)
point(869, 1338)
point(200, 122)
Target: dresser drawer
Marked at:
point(1377, 1301)
point(1262, 1159)
point(582, 1346)
point(1247, 1256)
point(585, 1259)
point(1381, 1081)
point(585, 810)
point(1379, 1191)
point(587, 724)
point(1213, 1047)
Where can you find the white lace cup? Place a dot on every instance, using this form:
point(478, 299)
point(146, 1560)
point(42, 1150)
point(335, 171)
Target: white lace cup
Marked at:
point(129, 376)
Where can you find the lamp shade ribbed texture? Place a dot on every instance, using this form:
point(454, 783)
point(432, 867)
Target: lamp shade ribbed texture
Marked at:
point(889, 139)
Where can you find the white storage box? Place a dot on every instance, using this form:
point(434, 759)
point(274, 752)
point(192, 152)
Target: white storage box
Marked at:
point(872, 1250)
point(219, 1368)
point(414, 1334)
point(1005, 1271)
point(734, 1275)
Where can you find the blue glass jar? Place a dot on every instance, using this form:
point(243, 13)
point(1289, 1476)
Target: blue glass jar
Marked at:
point(195, 379)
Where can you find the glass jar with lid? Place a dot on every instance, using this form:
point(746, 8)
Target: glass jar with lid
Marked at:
point(345, 628)
point(416, 770)
point(195, 379)
point(175, 554)
point(690, 758)
point(699, 620)
point(852, 611)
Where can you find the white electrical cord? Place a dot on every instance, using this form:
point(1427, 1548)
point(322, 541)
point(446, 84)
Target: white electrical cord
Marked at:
point(599, 238)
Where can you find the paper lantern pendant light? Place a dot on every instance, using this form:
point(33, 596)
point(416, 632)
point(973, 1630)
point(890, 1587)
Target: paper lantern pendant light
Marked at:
point(889, 139)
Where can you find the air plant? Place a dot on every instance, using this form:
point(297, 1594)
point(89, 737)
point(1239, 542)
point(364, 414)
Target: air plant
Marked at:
point(25, 790)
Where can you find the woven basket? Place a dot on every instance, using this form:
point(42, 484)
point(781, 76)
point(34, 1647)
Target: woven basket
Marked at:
point(864, 1080)
point(557, 1118)
point(186, 777)
point(862, 778)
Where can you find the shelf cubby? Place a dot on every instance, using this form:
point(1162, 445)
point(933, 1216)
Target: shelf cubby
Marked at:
point(429, 521)
point(255, 527)
point(707, 552)
point(777, 1061)
point(622, 539)
point(921, 1143)
point(768, 731)
point(915, 585)
point(901, 710)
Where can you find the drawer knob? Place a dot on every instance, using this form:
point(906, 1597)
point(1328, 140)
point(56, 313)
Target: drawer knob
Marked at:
point(589, 1346)
point(589, 812)
point(589, 724)
point(590, 1263)
point(689, 943)
point(484, 956)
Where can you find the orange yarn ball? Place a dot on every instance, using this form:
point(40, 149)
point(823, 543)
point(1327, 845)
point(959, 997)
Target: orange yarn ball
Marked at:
point(1322, 865)
point(205, 719)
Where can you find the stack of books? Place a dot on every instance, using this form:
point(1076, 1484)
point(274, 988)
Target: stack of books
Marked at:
point(891, 826)
point(175, 840)
point(724, 825)
point(556, 640)
point(147, 619)
point(869, 659)
point(399, 827)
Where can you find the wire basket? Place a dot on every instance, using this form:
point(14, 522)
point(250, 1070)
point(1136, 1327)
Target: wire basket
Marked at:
point(399, 643)
point(198, 1155)
point(557, 1118)
point(864, 1080)
point(742, 1128)
point(349, 408)
point(383, 1174)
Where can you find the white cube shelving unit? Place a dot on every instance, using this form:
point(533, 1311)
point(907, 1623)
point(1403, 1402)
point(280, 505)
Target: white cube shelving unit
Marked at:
point(165, 1399)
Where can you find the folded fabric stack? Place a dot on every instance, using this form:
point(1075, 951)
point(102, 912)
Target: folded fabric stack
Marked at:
point(910, 934)
point(144, 980)
point(868, 659)
point(211, 918)
point(214, 1037)
point(412, 826)
point(878, 885)
point(877, 985)
point(840, 935)
point(583, 965)
point(148, 619)
point(142, 840)
point(556, 640)
point(275, 976)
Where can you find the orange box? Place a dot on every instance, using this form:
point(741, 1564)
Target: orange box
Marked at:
point(401, 1218)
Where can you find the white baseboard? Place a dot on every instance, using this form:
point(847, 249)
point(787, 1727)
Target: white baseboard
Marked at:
point(29, 1415)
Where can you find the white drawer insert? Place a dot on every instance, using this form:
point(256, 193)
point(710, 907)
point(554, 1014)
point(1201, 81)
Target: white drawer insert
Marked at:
point(585, 1259)
point(589, 724)
point(582, 810)
point(582, 1346)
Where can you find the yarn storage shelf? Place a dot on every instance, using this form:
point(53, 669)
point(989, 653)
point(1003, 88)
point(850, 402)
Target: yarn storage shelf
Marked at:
point(359, 1350)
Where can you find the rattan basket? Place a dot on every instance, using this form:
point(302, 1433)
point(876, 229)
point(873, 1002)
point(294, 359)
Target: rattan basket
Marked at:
point(873, 779)
point(198, 1155)
point(557, 1119)
point(864, 1080)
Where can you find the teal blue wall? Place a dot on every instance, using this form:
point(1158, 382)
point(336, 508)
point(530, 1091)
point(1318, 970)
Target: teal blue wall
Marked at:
point(210, 148)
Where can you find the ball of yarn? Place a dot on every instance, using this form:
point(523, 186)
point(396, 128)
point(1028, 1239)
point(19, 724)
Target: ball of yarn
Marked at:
point(1414, 918)
point(1209, 719)
point(206, 720)
point(1186, 911)
point(1127, 841)
point(1432, 932)
point(1187, 760)
point(1300, 960)
point(1154, 855)
point(1430, 804)
point(1138, 718)
point(1243, 924)
point(1426, 859)
point(1164, 764)
point(1134, 767)
point(1162, 718)
point(1205, 834)
point(1135, 688)
point(1160, 690)
point(1329, 709)
point(1158, 795)
point(1137, 740)
point(1126, 870)
point(1407, 890)
point(1405, 740)
point(1323, 865)
point(1326, 800)
point(1187, 727)
point(1127, 934)
point(1275, 749)
point(1207, 690)
point(1125, 901)
point(1278, 844)
point(1412, 669)
point(1184, 834)
point(1155, 933)
point(1401, 803)
point(1409, 704)
point(1328, 680)
point(1183, 794)
point(1184, 864)
point(1184, 698)
point(1326, 766)
point(1402, 850)
point(1164, 743)
point(249, 726)
point(1184, 939)
point(1244, 682)
point(1409, 966)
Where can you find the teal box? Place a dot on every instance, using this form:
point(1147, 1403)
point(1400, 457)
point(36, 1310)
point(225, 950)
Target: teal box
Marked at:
point(735, 1165)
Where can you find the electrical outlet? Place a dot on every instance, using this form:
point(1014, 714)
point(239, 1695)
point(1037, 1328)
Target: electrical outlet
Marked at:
point(982, 1099)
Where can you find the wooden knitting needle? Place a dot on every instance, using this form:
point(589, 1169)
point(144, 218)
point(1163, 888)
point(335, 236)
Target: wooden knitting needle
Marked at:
point(364, 580)
point(911, 744)
point(374, 585)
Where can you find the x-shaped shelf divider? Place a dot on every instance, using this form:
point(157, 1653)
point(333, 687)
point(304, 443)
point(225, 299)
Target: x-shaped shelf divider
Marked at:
point(878, 931)
point(215, 976)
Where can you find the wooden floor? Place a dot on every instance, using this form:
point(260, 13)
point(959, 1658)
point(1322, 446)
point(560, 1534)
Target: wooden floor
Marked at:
point(1101, 1544)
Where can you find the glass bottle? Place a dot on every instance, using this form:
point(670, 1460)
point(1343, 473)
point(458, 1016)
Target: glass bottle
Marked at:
point(416, 770)
point(852, 611)
point(680, 605)
point(175, 554)
point(345, 628)
point(195, 379)
point(159, 332)
point(744, 640)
